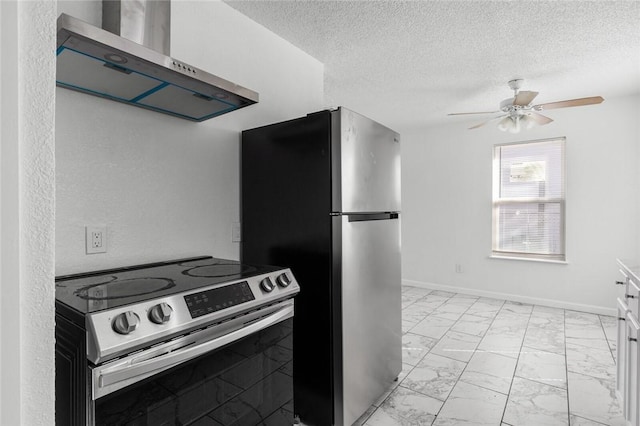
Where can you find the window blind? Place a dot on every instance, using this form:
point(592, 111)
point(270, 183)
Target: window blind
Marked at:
point(529, 199)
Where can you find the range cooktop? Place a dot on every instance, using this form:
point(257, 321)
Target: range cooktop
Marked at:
point(112, 288)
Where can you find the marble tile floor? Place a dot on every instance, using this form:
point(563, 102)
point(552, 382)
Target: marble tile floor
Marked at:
point(478, 361)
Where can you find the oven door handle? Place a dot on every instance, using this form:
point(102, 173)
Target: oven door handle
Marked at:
point(111, 378)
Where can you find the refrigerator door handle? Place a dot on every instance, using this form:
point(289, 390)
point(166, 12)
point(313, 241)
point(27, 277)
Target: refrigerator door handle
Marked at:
point(361, 217)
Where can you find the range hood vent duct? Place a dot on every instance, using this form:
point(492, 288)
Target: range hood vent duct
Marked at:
point(128, 61)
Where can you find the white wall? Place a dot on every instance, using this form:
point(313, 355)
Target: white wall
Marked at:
point(165, 187)
point(447, 208)
point(27, 69)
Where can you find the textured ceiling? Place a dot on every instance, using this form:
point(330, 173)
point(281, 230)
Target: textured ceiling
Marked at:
point(409, 63)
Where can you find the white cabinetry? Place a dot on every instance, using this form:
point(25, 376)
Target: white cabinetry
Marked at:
point(622, 284)
point(627, 351)
point(632, 362)
point(621, 349)
point(633, 297)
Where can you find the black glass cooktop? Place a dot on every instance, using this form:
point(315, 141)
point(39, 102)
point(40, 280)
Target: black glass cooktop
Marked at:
point(96, 291)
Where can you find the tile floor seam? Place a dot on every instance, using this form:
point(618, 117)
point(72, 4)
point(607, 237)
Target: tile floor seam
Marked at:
point(504, 410)
point(584, 374)
point(566, 368)
point(594, 421)
point(462, 372)
point(424, 394)
point(467, 364)
point(579, 373)
point(566, 363)
point(606, 338)
point(468, 334)
point(533, 379)
point(483, 387)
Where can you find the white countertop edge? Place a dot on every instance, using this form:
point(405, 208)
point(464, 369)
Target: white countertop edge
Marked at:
point(631, 268)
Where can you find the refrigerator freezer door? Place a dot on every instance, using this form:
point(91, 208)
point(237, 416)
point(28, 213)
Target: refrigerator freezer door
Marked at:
point(369, 165)
point(371, 313)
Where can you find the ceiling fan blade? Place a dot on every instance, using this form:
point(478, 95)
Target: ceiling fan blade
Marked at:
point(524, 98)
point(540, 119)
point(571, 103)
point(479, 125)
point(486, 122)
point(470, 113)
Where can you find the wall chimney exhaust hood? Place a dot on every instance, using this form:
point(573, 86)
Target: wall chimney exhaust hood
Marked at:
point(128, 61)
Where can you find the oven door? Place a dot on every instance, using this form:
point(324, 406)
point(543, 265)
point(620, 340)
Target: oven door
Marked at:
point(235, 373)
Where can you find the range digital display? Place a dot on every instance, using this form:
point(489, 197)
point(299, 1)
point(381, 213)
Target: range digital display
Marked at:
point(217, 299)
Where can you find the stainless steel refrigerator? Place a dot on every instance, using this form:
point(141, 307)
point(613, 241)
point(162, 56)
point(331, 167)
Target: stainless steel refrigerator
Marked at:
point(321, 195)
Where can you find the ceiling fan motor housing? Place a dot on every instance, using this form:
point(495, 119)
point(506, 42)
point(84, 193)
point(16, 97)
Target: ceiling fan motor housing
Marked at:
point(507, 106)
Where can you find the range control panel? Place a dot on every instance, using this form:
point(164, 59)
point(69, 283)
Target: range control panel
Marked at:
point(216, 299)
point(116, 332)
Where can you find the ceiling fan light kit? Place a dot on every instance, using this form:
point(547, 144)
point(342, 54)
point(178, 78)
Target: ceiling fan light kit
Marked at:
point(513, 124)
point(518, 113)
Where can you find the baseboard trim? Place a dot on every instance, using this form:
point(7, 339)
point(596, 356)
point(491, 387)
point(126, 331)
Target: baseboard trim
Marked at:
point(600, 310)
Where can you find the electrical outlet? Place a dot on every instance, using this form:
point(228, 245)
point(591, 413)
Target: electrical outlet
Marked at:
point(458, 268)
point(96, 239)
point(236, 234)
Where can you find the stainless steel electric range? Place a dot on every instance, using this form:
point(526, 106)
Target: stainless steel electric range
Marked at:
point(199, 341)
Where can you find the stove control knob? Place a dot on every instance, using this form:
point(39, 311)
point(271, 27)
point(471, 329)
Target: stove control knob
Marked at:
point(160, 313)
point(126, 322)
point(267, 285)
point(283, 280)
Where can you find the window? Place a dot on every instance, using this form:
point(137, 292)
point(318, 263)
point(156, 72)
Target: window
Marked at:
point(528, 200)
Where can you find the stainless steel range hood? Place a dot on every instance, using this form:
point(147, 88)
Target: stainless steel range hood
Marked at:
point(99, 62)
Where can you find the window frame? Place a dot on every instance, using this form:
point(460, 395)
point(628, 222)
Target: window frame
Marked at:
point(496, 202)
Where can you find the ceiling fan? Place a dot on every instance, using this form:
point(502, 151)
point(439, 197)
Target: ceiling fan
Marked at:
point(518, 113)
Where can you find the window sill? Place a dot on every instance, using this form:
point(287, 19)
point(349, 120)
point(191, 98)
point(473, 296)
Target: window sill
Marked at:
point(529, 259)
